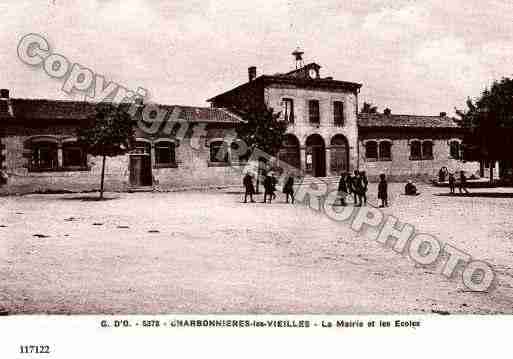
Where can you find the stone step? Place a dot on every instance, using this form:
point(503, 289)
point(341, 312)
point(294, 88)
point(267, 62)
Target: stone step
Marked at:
point(328, 179)
point(141, 189)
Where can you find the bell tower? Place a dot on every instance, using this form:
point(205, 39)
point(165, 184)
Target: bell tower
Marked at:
point(298, 56)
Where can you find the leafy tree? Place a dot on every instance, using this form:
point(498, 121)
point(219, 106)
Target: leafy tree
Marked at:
point(262, 129)
point(489, 121)
point(368, 107)
point(108, 133)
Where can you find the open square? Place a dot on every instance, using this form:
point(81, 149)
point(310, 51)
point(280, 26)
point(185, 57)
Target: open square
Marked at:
point(207, 252)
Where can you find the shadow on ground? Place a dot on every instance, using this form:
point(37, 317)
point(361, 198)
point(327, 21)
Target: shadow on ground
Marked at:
point(477, 194)
point(89, 198)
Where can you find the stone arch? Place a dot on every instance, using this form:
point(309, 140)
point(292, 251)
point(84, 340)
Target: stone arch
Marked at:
point(339, 151)
point(315, 159)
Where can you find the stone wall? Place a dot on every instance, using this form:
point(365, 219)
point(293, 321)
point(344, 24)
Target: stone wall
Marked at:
point(193, 168)
point(302, 128)
point(401, 167)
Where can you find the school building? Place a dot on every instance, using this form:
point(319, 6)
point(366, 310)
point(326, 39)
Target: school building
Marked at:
point(326, 136)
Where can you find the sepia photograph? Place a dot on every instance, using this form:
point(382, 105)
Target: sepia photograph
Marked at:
point(272, 158)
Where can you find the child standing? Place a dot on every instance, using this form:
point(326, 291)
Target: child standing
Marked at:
point(342, 188)
point(463, 183)
point(383, 190)
point(452, 182)
point(250, 189)
point(288, 188)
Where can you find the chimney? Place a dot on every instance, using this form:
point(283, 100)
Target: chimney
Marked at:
point(252, 73)
point(387, 112)
point(443, 114)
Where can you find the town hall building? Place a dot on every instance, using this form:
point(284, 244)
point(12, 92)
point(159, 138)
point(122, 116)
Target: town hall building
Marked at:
point(326, 135)
point(321, 113)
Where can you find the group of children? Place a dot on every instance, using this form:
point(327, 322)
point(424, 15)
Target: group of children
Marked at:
point(357, 185)
point(462, 184)
point(269, 183)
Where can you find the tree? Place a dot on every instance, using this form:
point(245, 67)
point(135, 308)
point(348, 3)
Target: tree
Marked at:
point(489, 124)
point(368, 107)
point(108, 133)
point(261, 129)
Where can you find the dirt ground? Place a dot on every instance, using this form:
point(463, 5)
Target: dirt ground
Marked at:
point(206, 252)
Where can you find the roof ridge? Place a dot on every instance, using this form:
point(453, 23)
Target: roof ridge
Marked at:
point(403, 114)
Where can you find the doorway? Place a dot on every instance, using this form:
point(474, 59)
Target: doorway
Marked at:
point(339, 155)
point(140, 165)
point(315, 156)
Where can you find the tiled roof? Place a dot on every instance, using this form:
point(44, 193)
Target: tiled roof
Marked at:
point(291, 79)
point(33, 109)
point(51, 109)
point(409, 121)
point(204, 114)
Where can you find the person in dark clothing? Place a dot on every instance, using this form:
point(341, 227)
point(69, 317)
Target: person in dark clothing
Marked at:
point(463, 183)
point(383, 190)
point(268, 188)
point(288, 189)
point(358, 188)
point(442, 174)
point(365, 185)
point(355, 188)
point(274, 182)
point(452, 183)
point(342, 188)
point(410, 189)
point(349, 184)
point(247, 181)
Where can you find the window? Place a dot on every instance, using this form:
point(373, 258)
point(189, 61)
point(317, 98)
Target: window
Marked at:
point(421, 151)
point(313, 111)
point(427, 150)
point(44, 156)
point(338, 113)
point(371, 150)
point(455, 150)
point(415, 150)
point(165, 154)
point(217, 148)
point(385, 153)
point(73, 156)
point(288, 110)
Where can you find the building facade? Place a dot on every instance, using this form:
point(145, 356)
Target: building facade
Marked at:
point(406, 146)
point(40, 152)
point(325, 137)
point(322, 134)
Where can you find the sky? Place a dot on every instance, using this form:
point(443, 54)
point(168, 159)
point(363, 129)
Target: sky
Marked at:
point(415, 57)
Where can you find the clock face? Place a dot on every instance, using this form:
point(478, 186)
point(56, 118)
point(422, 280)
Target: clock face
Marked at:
point(312, 73)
